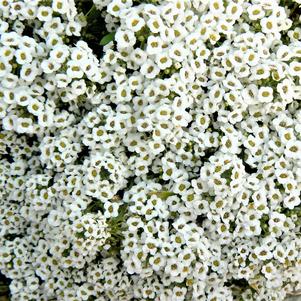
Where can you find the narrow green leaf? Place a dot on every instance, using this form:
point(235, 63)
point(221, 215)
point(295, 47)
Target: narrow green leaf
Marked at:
point(161, 194)
point(107, 39)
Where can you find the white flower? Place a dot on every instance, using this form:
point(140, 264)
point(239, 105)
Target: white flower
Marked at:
point(269, 25)
point(292, 200)
point(265, 94)
point(295, 68)
point(74, 69)
point(34, 107)
point(255, 12)
point(111, 209)
point(269, 271)
point(29, 71)
point(178, 52)
point(125, 39)
point(44, 13)
point(155, 24)
point(23, 56)
point(49, 66)
point(24, 125)
point(163, 60)
point(59, 6)
point(138, 56)
point(59, 53)
point(135, 23)
point(286, 90)
point(115, 7)
point(10, 38)
point(5, 67)
point(154, 45)
point(149, 69)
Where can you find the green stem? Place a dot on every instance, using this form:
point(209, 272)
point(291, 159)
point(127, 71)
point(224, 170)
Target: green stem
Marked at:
point(92, 9)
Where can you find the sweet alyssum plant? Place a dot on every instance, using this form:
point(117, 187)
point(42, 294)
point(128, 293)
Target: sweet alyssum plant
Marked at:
point(163, 164)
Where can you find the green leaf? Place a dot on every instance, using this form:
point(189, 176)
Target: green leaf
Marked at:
point(162, 194)
point(91, 11)
point(107, 39)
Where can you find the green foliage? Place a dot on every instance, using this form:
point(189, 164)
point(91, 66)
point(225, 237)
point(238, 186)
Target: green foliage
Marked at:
point(107, 39)
point(162, 194)
point(142, 36)
point(264, 224)
point(116, 227)
point(4, 286)
point(227, 175)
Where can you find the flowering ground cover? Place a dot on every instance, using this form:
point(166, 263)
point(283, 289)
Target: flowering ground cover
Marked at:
point(150, 150)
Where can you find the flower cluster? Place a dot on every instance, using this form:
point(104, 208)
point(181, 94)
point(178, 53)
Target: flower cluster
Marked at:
point(166, 168)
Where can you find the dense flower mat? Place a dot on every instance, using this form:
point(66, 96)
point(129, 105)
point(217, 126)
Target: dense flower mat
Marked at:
point(150, 150)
